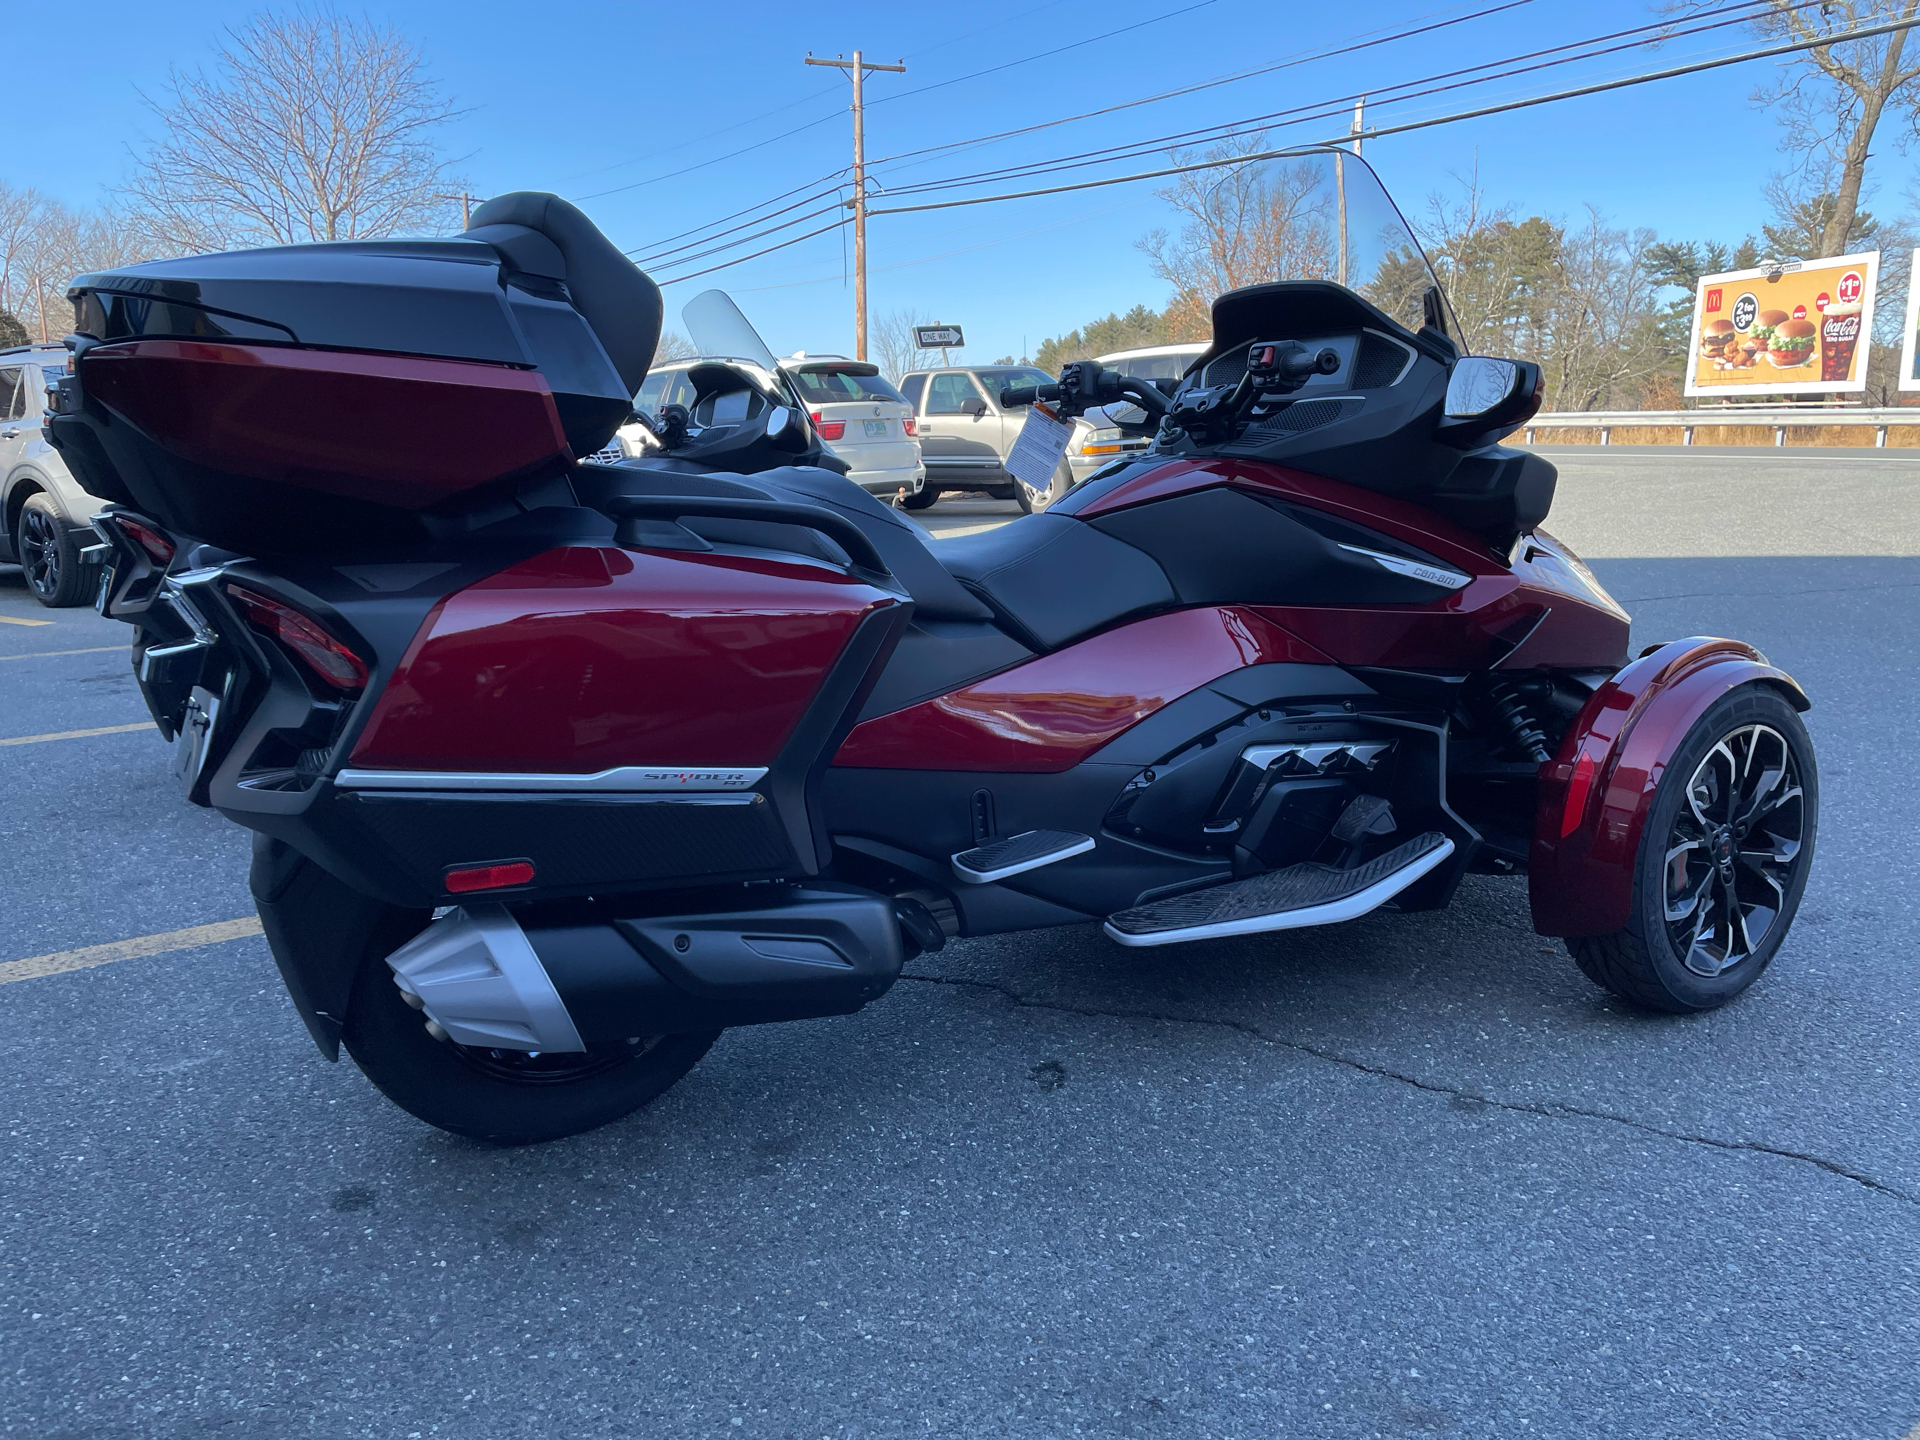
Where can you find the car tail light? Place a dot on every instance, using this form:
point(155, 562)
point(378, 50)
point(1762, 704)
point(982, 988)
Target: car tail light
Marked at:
point(147, 538)
point(911, 426)
point(829, 429)
point(500, 876)
point(328, 657)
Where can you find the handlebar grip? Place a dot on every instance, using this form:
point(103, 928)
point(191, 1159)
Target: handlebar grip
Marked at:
point(1027, 394)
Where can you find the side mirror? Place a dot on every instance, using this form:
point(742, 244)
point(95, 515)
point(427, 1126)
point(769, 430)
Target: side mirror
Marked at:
point(974, 406)
point(1487, 397)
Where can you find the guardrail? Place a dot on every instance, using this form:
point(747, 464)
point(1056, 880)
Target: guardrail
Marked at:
point(1780, 417)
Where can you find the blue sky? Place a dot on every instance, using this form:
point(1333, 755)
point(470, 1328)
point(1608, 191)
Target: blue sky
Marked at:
point(599, 101)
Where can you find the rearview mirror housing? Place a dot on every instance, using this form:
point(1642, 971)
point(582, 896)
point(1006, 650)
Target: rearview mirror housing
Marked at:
point(1487, 397)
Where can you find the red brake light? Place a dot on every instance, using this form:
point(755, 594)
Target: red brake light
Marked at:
point(829, 429)
point(469, 878)
point(911, 426)
point(331, 660)
point(148, 539)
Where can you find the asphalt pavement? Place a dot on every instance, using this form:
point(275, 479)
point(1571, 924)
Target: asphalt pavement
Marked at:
point(1411, 1176)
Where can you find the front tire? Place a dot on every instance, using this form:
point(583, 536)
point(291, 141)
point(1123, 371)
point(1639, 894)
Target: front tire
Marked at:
point(49, 553)
point(504, 1096)
point(1723, 861)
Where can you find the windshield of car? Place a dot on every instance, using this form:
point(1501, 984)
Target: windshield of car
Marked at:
point(999, 378)
point(826, 385)
point(1155, 367)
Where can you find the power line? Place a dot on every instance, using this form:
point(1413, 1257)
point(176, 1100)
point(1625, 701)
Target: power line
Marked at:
point(702, 164)
point(762, 205)
point(1695, 67)
point(728, 264)
point(1377, 95)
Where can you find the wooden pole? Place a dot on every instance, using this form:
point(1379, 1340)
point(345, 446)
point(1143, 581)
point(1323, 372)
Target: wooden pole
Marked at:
point(856, 69)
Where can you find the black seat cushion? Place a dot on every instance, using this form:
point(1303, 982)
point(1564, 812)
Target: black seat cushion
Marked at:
point(1051, 579)
point(615, 295)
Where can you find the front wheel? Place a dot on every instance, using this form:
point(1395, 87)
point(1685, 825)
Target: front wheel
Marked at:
point(509, 1097)
point(1722, 864)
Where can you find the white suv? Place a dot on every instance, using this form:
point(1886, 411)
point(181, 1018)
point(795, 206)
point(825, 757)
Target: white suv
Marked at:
point(45, 512)
point(1096, 437)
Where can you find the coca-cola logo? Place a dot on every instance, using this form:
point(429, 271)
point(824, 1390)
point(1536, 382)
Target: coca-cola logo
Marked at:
point(1840, 327)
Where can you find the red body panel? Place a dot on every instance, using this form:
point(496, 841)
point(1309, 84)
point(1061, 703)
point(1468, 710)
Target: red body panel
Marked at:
point(1580, 871)
point(588, 657)
point(400, 430)
point(1051, 712)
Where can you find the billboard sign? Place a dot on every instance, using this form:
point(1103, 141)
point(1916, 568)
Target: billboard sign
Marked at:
point(939, 337)
point(1909, 349)
point(1797, 328)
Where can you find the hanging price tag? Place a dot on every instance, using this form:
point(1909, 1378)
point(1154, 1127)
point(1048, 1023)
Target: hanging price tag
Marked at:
point(1037, 452)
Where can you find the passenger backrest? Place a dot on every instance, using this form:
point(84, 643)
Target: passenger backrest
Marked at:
point(615, 295)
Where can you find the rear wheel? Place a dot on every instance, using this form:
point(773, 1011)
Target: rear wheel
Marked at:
point(510, 1097)
point(1722, 864)
point(928, 494)
point(49, 553)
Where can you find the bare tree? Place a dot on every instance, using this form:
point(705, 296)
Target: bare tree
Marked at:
point(310, 126)
point(1832, 98)
point(43, 245)
point(673, 346)
point(894, 347)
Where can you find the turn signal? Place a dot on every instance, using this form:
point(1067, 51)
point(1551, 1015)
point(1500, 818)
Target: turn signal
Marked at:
point(332, 661)
point(489, 877)
point(1586, 769)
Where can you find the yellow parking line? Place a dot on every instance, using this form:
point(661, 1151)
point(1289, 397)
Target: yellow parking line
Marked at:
point(16, 620)
point(191, 938)
point(42, 654)
point(76, 734)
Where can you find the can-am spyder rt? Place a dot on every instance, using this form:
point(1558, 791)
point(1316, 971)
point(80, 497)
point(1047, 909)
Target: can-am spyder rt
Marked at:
point(557, 769)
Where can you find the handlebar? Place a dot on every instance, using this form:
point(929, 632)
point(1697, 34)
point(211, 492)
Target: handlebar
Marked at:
point(1027, 394)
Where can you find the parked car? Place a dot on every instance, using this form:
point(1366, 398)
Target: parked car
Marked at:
point(1097, 435)
point(45, 511)
point(966, 434)
point(858, 416)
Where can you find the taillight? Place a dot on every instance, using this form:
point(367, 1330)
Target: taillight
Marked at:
point(911, 426)
point(332, 661)
point(468, 878)
point(829, 429)
point(147, 538)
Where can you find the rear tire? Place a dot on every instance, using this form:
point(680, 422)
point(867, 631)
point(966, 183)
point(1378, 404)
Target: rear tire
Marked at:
point(503, 1096)
point(928, 494)
point(1704, 928)
point(49, 553)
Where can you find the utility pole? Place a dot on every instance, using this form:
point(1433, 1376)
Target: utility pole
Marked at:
point(856, 69)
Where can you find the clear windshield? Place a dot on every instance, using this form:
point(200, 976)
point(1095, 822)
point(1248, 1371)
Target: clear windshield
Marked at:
point(717, 328)
point(1319, 214)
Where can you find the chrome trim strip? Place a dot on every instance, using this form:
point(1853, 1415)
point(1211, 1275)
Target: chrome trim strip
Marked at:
point(1413, 569)
point(1331, 913)
point(643, 779)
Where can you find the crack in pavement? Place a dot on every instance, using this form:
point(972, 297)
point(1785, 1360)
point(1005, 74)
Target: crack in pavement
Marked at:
point(1549, 1112)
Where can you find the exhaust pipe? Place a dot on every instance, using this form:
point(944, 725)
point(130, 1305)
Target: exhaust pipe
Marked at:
point(603, 978)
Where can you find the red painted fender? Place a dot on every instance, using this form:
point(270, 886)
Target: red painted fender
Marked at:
point(1596, 792)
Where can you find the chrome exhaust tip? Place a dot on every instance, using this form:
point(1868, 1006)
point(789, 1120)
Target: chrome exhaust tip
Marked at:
point(477, 979)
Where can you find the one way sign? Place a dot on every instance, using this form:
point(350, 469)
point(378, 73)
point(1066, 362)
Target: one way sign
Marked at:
point(938, 337)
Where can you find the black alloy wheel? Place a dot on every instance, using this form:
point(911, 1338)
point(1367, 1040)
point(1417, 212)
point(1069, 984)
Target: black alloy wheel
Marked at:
point(49, 555)
point(1733, 850)
point(1723, 860)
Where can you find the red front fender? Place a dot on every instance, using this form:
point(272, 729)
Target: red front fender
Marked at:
point(1596, 792)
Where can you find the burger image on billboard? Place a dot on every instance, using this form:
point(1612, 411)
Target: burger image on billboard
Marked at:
point(1764, 324)
point(1716, 338)
point(1792, 344)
